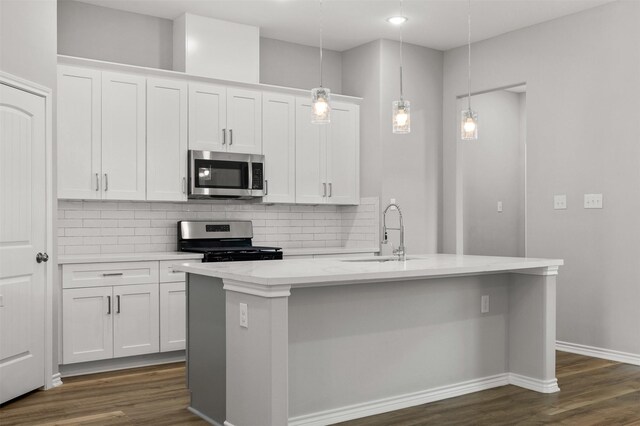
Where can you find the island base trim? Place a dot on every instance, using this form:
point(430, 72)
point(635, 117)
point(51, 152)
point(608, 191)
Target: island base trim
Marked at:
point(205, 418)
point(399, 402)
point(596, 352)
point(542, 386)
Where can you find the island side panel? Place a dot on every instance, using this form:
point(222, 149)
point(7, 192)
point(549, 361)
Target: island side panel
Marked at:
point(361, 343)
point(257, 358)
point(206, 346)
point(532, 330)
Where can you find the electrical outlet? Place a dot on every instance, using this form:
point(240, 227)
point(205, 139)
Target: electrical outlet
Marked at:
point(244, 315)
point(592, 201)
point(499, 206)
point(560, 202)
point(484, 304)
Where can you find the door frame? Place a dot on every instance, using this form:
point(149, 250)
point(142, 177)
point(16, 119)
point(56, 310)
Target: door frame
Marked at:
point(51, 378)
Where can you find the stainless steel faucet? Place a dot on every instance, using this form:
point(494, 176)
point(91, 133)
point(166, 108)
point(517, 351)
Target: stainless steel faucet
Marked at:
point(401, 250)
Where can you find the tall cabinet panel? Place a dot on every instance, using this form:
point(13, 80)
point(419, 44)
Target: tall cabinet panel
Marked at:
point(279, 147)
point(244, 121)
point(166, 140)
point(207, 117)
point(311, 186)
point(79, 133)
point(343, 154)
point(123, 136)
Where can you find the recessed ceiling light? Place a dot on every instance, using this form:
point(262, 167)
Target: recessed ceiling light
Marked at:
point(397, 20)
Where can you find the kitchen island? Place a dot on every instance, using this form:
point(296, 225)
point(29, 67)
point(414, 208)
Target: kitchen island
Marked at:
point(313, 342)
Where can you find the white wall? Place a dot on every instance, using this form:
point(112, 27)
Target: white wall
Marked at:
point(95, 32)
point(295, 65)
point(493, 170)
point(404, 167)
point(583, 79)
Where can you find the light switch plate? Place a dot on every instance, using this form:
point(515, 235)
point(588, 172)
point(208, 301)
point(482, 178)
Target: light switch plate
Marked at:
point(560, 202)
point(499, 206)
point(592, 201)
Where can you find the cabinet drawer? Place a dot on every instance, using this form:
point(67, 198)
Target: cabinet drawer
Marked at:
point(168, 275)
point(105, 274)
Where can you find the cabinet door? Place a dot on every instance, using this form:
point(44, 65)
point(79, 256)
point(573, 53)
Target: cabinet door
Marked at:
point(136, 325)
point(173, 314)
point(311, 181)
point(166, 140)
point(244, 121)
point(123, 136)
point(343, 154)
point(207, 117)
point(279, 147)
point(87, 330)
point(79, 115)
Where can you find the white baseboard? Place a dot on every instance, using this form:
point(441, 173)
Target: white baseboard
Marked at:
point(56, 380)
point(226, 423)
point(204, 417)
point(398, 402)
point(592, 351)
point(542, 386)
point(113, 364)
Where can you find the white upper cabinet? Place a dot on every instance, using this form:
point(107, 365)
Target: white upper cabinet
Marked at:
point(207, 117)
point(328, 155)
point(79, 133)
point(244, 121)
point(225, 119)
point(311, 169)
point(123, 136)
point(166, 140)
point(279, 147)
point(343, 154)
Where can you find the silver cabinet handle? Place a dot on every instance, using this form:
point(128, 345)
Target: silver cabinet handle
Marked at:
point(324, 189)
point(106, 182)
point(112, 274)
point(224, 136)
point(266, 186)
point(330, 189)
point(97, 182)
point(118, 304)
point(108, 305)
point(184, 185)
point(230, 136)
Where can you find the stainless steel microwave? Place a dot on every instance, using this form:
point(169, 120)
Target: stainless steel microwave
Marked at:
point(225, 175)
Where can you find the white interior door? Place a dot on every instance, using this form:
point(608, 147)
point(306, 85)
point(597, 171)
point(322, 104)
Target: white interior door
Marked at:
point(22, 236)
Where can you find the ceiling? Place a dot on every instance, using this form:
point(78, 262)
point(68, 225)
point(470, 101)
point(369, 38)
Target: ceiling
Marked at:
point(438, 24)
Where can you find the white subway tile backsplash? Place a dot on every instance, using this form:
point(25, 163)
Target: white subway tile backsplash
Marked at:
point(127, 227)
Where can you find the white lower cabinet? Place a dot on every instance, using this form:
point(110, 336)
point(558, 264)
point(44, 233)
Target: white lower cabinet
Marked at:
point(108, 322)
point(173, 324)
point(121, 309)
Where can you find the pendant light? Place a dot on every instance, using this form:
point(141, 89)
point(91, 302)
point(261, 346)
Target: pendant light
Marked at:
point(400, 110)
point(320, 96)
point(469, 119)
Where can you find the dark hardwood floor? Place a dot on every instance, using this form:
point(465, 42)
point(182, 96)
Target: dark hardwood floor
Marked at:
point(593, 392)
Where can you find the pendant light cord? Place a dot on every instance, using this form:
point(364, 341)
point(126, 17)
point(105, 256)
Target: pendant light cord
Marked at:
point(321, 23)
point(401, 14)
point(469, 52)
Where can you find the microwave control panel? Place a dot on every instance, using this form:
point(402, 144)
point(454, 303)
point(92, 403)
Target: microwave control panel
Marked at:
point(257, 177)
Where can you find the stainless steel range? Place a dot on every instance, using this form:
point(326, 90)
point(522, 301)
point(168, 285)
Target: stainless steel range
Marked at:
point(223, 241)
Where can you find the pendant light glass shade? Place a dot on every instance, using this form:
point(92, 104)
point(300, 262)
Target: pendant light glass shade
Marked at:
point(320, 96)
point(401, 110)
point(469, 125)
point(320, 106)
point(401, 116)
point(469, 118)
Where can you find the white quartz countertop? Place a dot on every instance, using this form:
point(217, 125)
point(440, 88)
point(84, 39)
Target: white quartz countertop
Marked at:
point(127, 257)
point(312, 272)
